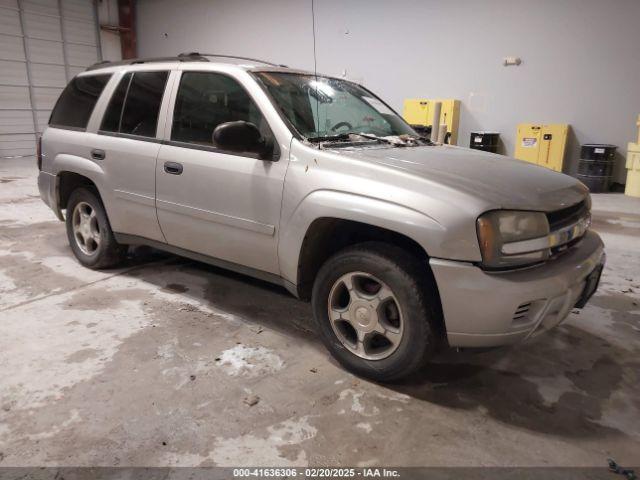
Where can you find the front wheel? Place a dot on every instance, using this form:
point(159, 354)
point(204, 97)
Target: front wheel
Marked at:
point(89, 232)
point(376, 311)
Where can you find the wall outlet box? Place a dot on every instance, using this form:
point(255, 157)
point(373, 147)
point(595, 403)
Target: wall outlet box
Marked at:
point(511, 61)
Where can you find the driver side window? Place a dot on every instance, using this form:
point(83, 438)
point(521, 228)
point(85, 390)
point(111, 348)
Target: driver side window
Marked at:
point(206, 100)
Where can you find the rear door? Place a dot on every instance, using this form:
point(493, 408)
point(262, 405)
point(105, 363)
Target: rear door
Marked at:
point(127, 147)
point(210, 201)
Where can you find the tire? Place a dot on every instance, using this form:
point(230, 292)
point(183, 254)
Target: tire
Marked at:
point(96, 247)
point(413, 325)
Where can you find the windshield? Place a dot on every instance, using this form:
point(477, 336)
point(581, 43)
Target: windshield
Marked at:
point(320, 107)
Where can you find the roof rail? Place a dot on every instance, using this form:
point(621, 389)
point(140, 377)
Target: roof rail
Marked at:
point(219, 55)
point(183, 57)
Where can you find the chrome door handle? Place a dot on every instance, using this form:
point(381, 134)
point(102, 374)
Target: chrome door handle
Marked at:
point(98, 154)
point(173, 168)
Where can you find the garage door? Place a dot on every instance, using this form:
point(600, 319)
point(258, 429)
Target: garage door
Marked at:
point(43, 44)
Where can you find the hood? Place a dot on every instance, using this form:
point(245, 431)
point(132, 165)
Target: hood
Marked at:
point(501, 181)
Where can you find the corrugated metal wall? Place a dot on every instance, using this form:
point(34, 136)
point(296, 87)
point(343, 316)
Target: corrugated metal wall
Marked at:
point(43, 44)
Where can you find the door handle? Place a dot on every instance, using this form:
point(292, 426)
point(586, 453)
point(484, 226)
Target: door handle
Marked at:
point(97, 154)
point(174, 168)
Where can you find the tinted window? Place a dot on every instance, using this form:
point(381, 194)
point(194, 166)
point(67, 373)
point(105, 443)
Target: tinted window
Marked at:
point(205, 100)
point(77, 100)
point(111, 120)
point(141, 108)
point(135, 104)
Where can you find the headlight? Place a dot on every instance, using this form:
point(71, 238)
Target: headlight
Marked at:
point(510, 238)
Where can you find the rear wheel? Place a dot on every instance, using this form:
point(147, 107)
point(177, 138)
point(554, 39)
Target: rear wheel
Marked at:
point(89, 232)
point(375, 308)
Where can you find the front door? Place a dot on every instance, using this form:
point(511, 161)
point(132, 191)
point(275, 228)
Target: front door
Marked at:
point(213, 202)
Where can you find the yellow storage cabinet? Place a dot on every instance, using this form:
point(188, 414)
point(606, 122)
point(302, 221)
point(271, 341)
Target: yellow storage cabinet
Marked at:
point(632, 187)
point(418, 111)
point(543, 145)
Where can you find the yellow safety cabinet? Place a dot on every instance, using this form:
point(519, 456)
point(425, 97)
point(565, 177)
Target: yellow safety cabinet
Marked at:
point(418, 111)
point(632, 187)
point(543, 145)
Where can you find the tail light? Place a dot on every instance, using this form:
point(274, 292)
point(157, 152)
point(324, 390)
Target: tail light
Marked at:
point(39, 151)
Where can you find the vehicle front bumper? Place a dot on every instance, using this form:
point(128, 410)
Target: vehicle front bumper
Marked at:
point(484, 309)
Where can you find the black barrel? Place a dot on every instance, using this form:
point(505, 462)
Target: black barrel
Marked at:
point(486, 141)
point(423, 130)
point(596, 166)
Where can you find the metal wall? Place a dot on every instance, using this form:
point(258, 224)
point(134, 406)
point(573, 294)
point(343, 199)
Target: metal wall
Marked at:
point(43, 44)
point(580, 58)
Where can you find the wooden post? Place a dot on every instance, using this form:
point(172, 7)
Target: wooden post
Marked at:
point(127, 20)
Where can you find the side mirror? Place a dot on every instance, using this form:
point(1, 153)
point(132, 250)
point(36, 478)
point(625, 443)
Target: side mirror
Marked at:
point(242, 136)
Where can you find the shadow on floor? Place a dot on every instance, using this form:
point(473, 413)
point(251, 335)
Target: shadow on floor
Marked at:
point(254, 300)
point(556, 384)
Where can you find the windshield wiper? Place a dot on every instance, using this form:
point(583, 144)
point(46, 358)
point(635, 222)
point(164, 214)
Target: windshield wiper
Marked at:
point(329, 138)
point(397, 140)
point(394, 140)
point(398, 143)
point(424, 139)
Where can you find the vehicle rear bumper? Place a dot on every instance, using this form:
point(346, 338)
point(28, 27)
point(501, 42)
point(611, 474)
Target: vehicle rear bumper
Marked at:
point(484, 309)
point(48, 185)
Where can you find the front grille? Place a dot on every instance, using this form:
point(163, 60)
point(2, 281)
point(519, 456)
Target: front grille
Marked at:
point(560, 249)
point(567, 216)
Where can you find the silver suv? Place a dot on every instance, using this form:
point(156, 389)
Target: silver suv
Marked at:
point(314, 183)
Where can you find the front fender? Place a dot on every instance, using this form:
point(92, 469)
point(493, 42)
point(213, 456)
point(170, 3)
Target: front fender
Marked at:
point(421, 228)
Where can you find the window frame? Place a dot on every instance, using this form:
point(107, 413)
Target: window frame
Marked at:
point(157, 138)
point(93, 109)
point(210, 148)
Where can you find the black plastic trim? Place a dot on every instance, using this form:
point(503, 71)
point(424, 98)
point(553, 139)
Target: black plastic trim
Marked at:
point(208, 148)
point(130, 136)
point(127, 239)
point(192, 146)
point(63, 127)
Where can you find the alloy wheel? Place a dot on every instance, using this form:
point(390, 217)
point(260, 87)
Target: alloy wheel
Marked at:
point(86, 229)
point(365, 315)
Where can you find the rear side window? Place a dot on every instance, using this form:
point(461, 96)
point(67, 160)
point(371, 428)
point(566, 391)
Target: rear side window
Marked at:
point(111, 120)
point(77, 100)
point(135, 104)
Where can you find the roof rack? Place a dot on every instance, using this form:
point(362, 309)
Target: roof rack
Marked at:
point(218, 55)
point(183, 57)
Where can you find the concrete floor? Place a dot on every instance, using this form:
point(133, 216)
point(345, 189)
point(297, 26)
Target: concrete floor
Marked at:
point(151, 365)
